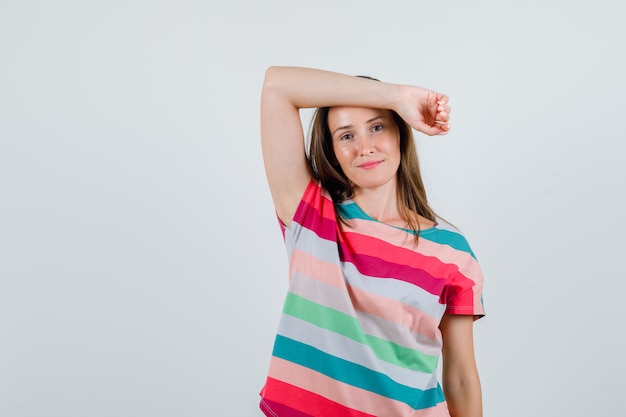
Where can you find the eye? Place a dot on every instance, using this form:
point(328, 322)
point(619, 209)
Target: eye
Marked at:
point(377, 128)
point(345, 137)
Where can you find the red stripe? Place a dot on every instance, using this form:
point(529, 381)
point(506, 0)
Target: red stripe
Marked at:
point(379, 268)
point(324, 222)
point(458, 293)
point(297, 402)
point(378, 258)
point(321, 226)
point(366, 245)
point(273, 409)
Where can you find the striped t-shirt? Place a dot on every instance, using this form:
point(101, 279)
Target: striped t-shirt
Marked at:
point(359, 332)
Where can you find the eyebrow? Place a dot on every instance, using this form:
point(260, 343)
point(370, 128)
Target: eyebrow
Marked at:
point(373, 119)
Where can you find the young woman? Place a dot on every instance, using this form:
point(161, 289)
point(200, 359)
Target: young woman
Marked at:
point(379, 288)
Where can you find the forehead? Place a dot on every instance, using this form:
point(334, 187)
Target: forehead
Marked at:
point(346, 116)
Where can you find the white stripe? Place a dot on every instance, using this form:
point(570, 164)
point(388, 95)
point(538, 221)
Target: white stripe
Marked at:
point(345, 348)
point(338, 299)
point(395, 289)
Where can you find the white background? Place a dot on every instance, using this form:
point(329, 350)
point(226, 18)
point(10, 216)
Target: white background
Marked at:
point(142, 270)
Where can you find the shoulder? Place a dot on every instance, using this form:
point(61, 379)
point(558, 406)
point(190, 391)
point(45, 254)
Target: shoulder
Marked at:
point(315, 201)
point(445, 233)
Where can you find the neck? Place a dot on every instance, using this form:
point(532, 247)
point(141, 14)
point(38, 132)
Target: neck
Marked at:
point(380, 203)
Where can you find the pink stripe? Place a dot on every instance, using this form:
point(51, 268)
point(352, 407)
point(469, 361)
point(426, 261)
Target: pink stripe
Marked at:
point(337, 392)
point(445, 254)
point(453, 265)
point(313, 267)
point(395, 312)
point(353, 398)
point(386, 308)
point(297, 401)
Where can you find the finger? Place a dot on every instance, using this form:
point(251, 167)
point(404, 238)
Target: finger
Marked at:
point(435, 129)
point(442, 121)
point(443, 127)
point(443, 114)
point(442, 118)
point(443, 107)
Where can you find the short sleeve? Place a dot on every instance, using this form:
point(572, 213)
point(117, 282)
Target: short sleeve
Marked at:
point(463, 290)
point(316, 212)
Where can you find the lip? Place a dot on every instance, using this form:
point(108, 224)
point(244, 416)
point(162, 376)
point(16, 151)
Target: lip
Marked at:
point(370, 164)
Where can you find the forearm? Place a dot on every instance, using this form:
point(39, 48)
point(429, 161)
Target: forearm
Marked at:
point(461, 383)
point(308, 88)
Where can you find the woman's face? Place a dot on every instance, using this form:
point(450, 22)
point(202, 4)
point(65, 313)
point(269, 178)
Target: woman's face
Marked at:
point(366, 144)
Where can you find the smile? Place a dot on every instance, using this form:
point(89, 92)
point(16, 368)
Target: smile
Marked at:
point(370, 164)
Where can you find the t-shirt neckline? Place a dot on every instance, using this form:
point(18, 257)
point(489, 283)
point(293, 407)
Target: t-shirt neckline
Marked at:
point(370, 218)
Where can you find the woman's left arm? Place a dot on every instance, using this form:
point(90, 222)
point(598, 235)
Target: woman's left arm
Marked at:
point(461, 384)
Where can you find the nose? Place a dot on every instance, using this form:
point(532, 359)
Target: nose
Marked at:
point(366, 145)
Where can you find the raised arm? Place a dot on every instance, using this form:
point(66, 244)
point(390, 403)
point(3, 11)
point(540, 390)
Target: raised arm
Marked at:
point(288, 89)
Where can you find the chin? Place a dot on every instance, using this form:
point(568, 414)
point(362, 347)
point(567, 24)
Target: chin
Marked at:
point(370, 184)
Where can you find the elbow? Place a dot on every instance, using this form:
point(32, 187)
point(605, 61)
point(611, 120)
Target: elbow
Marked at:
point(277, 88)
point(272, 77)
point(463, 396)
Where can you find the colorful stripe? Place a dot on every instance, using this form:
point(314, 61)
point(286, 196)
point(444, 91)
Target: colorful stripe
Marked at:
point(349, 350)
point(454, 239)
point(353, 374)
point(359, 334)
point(340, 323)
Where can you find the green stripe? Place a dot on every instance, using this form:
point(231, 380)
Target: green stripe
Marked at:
point(348, 326)
point(402, 356)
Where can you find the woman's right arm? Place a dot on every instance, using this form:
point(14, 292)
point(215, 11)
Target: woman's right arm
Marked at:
point(288, 89)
